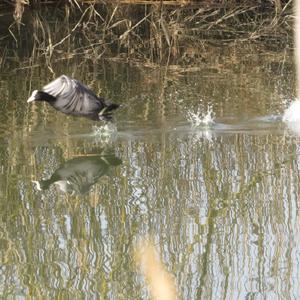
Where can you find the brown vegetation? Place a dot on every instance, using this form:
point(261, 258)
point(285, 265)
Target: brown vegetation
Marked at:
point(160, 32)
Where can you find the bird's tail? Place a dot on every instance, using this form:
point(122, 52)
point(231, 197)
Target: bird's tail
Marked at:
point(112, 106)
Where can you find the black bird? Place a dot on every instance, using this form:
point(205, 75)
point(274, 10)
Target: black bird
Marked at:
point(78, 175)
point(72, 97)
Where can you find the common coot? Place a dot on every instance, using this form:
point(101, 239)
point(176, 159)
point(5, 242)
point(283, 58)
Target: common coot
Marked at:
point(72, 97)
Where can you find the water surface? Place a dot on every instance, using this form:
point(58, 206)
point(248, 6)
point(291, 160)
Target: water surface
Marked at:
point(220, 200)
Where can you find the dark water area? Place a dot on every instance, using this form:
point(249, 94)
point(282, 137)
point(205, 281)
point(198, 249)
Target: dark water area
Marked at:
point(219, 199)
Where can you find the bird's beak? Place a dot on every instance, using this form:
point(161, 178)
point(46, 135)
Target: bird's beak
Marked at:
point(37, 185)
point(32, 97)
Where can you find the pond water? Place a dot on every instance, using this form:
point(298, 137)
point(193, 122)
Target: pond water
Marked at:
point(218, 198)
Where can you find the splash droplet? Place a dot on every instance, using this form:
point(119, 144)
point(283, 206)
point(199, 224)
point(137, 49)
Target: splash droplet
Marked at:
point(292, 113)
point(105, 132)
point(201, 118)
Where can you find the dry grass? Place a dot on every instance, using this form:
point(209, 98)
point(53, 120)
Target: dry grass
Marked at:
point(19, 10)
point(158, 32)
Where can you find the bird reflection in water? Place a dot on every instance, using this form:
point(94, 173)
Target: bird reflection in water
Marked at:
point(78, 175)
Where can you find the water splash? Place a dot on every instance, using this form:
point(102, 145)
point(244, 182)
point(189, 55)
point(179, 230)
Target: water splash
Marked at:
point(201, 118)
point(291, 117)
point(292, 113)
point(105, 132)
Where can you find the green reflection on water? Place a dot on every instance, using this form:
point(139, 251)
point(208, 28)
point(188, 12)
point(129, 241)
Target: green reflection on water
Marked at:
point(221, 204)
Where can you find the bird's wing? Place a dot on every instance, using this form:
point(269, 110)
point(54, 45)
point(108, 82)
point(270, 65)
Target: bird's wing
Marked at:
point(58, 86)
point(72, 96)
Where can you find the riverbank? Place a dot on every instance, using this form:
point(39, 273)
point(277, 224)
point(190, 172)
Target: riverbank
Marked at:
point(152, 32)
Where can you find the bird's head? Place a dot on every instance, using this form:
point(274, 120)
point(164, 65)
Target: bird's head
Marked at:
point(40, 96)
point(33, 96)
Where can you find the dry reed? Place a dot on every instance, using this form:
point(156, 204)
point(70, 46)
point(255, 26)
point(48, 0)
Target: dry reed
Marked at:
point(19, 10)
point(155, 32)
